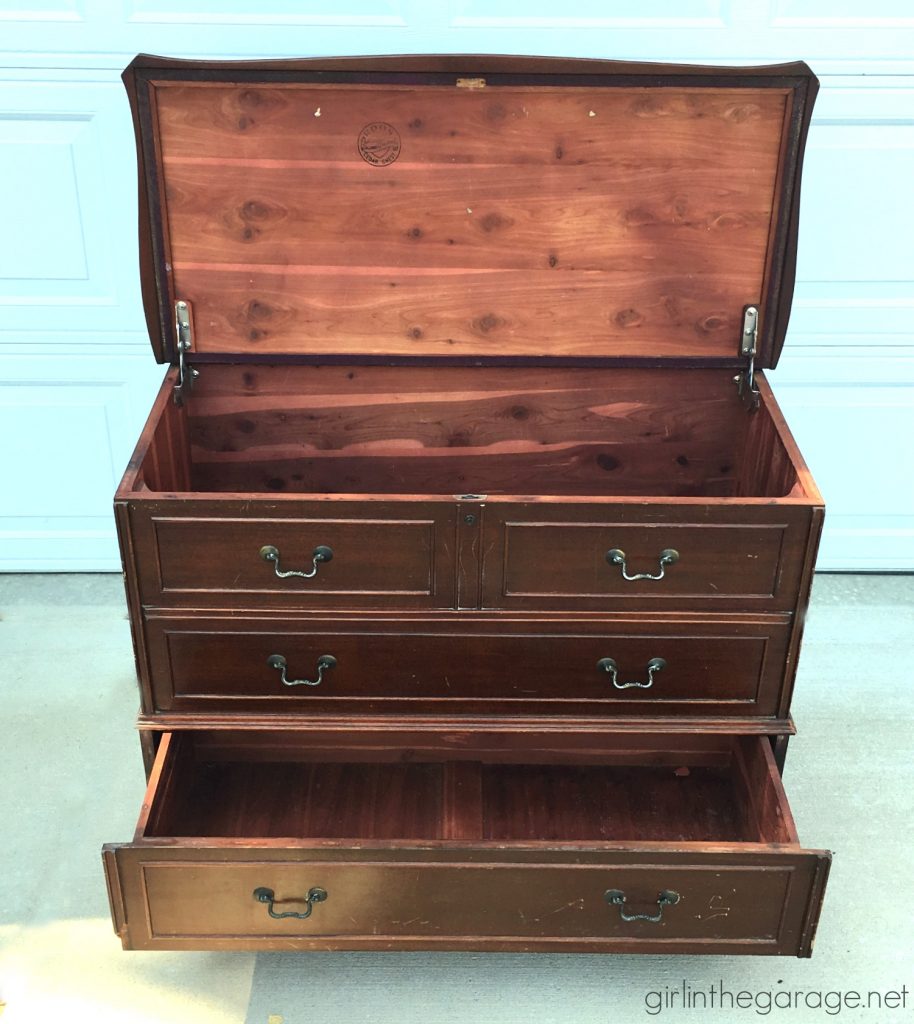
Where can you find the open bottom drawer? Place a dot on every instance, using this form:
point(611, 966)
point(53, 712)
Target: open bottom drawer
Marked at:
point(255, 842)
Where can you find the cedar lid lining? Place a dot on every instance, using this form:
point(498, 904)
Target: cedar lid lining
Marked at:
point(547, 216)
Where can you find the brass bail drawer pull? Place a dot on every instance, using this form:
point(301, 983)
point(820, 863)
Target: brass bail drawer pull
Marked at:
point(321, 553)
point(315, 895)
point(324, 663)
point(609, 665)
point(616, 898)
point(616, 556)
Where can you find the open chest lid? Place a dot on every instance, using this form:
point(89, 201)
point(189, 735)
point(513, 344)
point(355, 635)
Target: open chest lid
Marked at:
point(468, 209)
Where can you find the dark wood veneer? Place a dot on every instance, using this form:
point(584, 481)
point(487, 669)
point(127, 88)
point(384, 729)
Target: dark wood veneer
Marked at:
point(727, 666)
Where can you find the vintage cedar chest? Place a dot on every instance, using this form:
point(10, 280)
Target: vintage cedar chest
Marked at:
point(466, 548)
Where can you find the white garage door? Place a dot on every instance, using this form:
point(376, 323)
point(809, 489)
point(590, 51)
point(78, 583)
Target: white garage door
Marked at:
point(76, 370)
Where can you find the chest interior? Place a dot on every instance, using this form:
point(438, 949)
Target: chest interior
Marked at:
point(554, 268)
point(467, 430)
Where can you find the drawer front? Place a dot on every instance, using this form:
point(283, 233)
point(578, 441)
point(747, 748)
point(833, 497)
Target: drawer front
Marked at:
point(724, 902)
point(567, 558)
point(589, 666)
point(325, 557)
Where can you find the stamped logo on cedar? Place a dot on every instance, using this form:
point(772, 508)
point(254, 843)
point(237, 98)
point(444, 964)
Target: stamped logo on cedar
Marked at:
point(379, 143)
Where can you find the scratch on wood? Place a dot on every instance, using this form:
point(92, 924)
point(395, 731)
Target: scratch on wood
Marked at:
point(715, 908)
point(579, 903)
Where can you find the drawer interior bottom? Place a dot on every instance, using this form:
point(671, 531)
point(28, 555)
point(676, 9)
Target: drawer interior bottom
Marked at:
point(724, 789)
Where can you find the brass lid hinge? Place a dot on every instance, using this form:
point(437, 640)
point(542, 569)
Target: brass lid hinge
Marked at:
point(748, 346)
point(184, 342)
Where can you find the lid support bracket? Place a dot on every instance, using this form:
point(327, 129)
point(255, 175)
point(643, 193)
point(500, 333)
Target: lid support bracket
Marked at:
point(184, 342)
point(748, 346)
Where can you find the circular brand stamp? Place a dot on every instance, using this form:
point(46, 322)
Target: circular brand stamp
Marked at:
point(379, 143)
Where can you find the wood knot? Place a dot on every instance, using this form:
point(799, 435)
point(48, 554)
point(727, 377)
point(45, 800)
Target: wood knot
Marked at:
point(742, 112)
point(553, 259)
point(671, 305)
point(711, 323)
point(416, 124)
point(682, 460)
point(638, 216)
point(680, 206)
point(256, 209)
point(607, 462)
point(249, 380)
point(628, 318)
point(559, 152)
point(486, 323)
point(415, 232)
point(415, 333)
point(251, 101)
point(245, 426)
point(730, 221)
point(248, 234)
point(257, 310)
point(493, 221)
point(519, 412)
point(649, 106)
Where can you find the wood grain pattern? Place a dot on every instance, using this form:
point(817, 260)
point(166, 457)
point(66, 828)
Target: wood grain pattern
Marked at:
point(202, 792)
point(454, 430)
point(512, 667)
point(565, 739)
point(569, 802)
point(712, 110)
point(760, 794)
point(252, 823)
point(539, 557)
point(255, 212)
point(194, 553)
point(462, 807)
point(412, 430)
point(291, 309)
point(374, 801)
point(765, 466)
point(167, 463)
point(501, 739)
point(785, 446)
point(473, 897)
point(525, 220)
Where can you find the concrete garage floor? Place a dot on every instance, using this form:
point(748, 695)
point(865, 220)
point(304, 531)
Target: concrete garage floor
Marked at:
point(72, 779)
